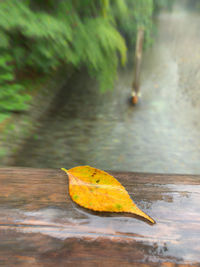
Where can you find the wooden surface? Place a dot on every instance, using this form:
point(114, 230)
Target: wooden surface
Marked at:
point(40, 226)
point(138, 61)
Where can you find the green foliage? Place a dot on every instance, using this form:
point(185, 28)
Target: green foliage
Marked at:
point(73, 32)
point(134, 14)
point(42, 35)
point(2, 153)
point(10, 92)
point(3, 117)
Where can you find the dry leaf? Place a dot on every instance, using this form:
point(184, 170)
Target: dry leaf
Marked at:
point(97, 190)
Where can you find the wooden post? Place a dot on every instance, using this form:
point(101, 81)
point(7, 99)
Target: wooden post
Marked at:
point(137, 65)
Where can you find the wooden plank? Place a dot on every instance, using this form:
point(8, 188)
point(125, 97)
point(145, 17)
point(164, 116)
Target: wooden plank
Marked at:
point(40, 226)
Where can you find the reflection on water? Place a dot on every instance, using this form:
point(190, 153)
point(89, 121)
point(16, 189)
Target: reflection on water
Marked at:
point(161, 134)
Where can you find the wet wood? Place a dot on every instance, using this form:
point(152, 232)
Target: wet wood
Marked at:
point(40, 226)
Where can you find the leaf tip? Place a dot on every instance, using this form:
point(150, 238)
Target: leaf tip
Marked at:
point(63, 169)
point(139, 212)
point(149, 219)
point(152, 221)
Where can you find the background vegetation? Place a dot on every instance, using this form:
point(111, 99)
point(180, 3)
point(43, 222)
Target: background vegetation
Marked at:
point(37, 37)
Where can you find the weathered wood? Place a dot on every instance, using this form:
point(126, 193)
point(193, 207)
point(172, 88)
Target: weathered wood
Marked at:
point(137, 65)
point(40, 226)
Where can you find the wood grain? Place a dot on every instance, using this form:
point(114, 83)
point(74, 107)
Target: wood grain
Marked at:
point(41, 226)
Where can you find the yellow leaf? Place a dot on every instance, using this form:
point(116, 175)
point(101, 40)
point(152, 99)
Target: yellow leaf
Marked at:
point(97, 190)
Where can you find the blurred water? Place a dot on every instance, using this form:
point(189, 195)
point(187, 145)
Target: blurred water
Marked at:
point(160, 134)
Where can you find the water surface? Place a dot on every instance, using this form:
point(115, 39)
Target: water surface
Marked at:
point(160, 134)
